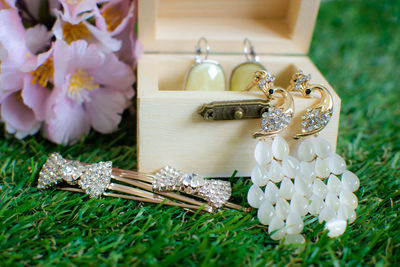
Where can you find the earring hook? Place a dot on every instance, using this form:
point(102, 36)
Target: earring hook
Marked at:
point(248, 50)
point(200, 52)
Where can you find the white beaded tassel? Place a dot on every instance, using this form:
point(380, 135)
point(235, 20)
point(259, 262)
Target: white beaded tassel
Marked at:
point(331, 198)
point(288, 185)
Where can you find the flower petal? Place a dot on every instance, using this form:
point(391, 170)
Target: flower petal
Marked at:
point(35, 97)
point(114, 73)
point(17, 115)
point(12, 35)
point(105, 108)
point(66, 122)
point(37, 38)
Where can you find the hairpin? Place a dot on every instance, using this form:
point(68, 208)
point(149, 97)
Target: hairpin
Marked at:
point(101, 179)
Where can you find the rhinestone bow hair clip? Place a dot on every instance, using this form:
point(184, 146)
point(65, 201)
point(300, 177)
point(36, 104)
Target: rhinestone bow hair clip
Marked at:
point(101, 179)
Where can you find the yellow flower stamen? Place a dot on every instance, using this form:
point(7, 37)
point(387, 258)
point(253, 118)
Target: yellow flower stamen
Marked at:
point(80, 81)
point(113, 18)
point(73, 2)
point(74, 32)
point(43, 73)
point(6, 6)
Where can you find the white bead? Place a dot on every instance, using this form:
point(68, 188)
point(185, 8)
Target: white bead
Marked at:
point(290, 166)
point(348, 198)
point(350, 181)
point(316, 205)
point(319, 188)
point(334, 185)
point(322, 147)
point(255, 196)
point(336, 227)
point(305, 152)
point(275, 172)
point(332, 201)
point(336, 164)
point(265, 212)
point(294, 239)
point(280, 147)
point(282, 208)
point(302, 185)
point(352, 217)
point(286, 188)
point(294, 223)
point(299, 205)
point(307, 169)
point(277, 225)
point(326, 214)
point(263, 153)
point(259, 175)
point(344, 212)
point(321, 168)
point(272, 192)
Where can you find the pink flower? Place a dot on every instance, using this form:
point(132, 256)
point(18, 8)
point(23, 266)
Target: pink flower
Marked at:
point(7, 4)
point(76, 11)
point(118, 17)
point(115, 16)
point(91, 89)
point(71, 30)
point(23, 111)
point(22, 97)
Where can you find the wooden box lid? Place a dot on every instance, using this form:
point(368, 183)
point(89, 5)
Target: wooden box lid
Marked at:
point(273, 26)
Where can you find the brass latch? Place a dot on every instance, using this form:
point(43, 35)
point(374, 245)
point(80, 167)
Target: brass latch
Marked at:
point(234, 110)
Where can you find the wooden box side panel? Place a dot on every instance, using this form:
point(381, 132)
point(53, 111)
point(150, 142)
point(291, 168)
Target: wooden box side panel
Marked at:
point(170, 132)
point(275, 26)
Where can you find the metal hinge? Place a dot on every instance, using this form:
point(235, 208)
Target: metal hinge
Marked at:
point(234, 110)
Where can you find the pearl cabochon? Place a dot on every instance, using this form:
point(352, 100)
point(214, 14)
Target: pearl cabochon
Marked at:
point(286, 188)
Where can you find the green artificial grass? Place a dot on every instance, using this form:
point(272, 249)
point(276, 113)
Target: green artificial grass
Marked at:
point(356, 46)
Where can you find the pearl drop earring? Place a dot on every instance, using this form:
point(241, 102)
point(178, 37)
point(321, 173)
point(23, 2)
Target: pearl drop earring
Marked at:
point(331, 199)
point(278, 206)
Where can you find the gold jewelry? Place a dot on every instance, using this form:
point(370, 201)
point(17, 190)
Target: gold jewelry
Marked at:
point(100, 179)
point(318, 115)
point(278, 117)
point(204, 74)
point(243, 73)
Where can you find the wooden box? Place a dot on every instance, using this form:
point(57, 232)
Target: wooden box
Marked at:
point(170, 131)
